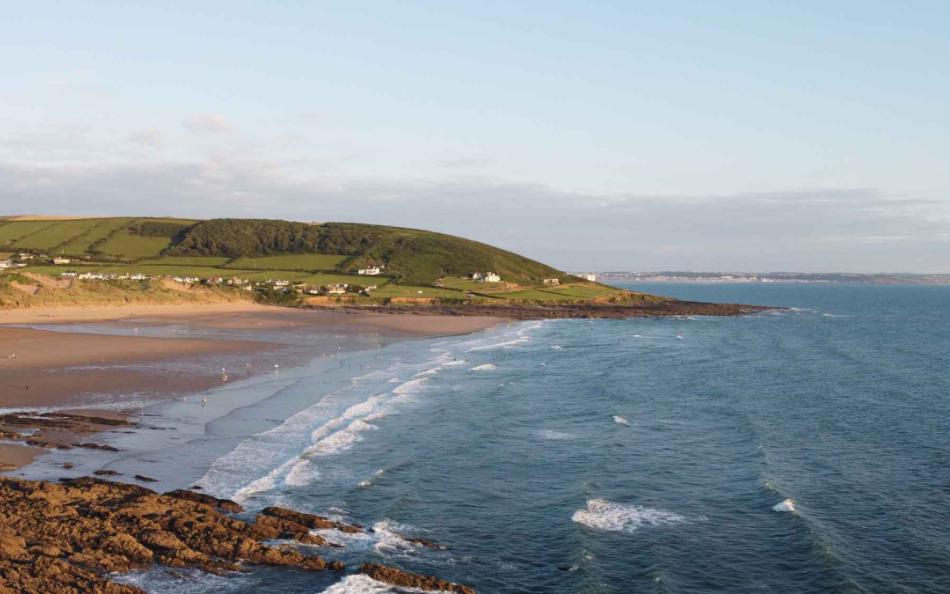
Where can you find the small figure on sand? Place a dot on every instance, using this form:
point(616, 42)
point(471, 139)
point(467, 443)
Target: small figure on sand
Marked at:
point(204, 402)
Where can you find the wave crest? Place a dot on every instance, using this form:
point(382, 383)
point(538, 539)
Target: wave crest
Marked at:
point(606, 515)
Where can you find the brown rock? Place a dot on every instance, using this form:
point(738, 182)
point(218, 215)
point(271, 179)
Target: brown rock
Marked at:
point(309, 520)
point(82, 529)
point(398, 577)
point(222, 504)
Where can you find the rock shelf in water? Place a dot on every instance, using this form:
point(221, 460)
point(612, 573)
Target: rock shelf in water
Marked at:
point(68, 537)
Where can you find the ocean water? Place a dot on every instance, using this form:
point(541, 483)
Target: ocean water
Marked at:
point(802, 450)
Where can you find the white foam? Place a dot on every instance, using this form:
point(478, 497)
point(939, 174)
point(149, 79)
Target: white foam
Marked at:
point(483, 367)
point(363, 584)
point(616, 517)
point(358, 584)
point(339, 441)
point(621, 421)
point(785, 506)
point(366, 483)
point(410, 387)
point(389, 538)
point(554, 435)
point(303, 472)
point(556, 347)
point(520, 336)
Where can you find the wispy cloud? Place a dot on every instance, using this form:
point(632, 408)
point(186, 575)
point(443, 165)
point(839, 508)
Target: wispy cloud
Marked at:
point(853, 229)
point(147, 138)
point(208, 124)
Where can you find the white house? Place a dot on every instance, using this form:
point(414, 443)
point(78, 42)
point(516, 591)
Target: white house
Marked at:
point(486, 277)
point(371, 271)
point(339, 289)
point(589, 276)
point(61, 261)
point(551, 282)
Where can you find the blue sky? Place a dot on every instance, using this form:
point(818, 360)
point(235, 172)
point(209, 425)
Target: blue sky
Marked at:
point(608, 135)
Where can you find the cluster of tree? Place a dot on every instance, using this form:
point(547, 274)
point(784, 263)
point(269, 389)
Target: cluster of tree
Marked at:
point(234, 238)
point(157, 228)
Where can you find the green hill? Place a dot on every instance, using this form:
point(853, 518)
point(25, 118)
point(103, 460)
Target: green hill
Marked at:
point(281, 260)
point(409, 256)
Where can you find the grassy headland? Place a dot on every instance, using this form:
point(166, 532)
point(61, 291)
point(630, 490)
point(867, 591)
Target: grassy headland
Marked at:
point(53, 261)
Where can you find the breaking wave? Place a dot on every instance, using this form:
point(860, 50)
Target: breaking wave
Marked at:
point(605, 515)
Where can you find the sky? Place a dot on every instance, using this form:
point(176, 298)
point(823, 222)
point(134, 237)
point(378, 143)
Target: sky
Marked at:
point(733, 136)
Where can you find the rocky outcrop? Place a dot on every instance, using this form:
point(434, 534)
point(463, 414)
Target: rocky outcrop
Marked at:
point(653, 308)
point(404, 579)
point(309, 520)
point(57, 430)
point(70, 536)
point(67, 537)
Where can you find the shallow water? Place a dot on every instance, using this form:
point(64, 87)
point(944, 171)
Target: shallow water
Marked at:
point(797, 451)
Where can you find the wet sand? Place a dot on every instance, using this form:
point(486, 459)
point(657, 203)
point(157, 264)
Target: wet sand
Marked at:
point(54, 370)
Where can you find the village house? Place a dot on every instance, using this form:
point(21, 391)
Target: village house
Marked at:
point(337, 289)
point(61, 261)
point(590, 276)
point(551, 282)
point(371, 271)
point(185, 280)
point(485, 277)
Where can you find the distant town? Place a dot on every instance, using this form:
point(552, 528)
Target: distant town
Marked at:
point(775, 277)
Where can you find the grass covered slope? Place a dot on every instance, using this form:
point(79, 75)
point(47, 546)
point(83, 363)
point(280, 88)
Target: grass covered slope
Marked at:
point(410, 255)
point(123, 259)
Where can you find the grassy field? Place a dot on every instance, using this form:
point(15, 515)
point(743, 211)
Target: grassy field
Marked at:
point(462, 284)
point(305, 262)
point(56, 234)
point(12, 231)
point(572, 292)
point(185, 261)
point(419, 291)
point(133, 247)
point(81, 244)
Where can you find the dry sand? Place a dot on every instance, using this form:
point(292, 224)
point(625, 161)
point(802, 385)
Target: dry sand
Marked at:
point(42, 368)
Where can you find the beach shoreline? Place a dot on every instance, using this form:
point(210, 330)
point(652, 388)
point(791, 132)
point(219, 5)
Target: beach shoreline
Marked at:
point(94, 358)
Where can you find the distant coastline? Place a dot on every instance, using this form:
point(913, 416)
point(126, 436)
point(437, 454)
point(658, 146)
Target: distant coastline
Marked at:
point(776, 277)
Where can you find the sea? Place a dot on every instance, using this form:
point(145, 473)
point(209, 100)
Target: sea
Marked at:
point(798, 450)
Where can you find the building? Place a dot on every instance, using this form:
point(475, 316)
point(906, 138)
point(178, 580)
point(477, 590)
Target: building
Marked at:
point(371, 271)
point(61, 261)
point(485, 277)
point(590, 276)
point(338, 289)
point(552, 282)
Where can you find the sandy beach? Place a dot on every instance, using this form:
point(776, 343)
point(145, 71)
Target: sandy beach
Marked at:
point(54, 370)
